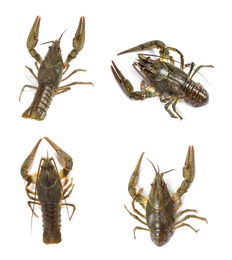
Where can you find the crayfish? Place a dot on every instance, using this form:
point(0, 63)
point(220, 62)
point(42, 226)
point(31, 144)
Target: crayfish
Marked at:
point(49, 190)
point(51, 70)
point(166, 80)
point(160, 208)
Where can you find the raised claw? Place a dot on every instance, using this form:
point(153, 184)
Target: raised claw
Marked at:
point(27, 163)
point(188, 174)
point(33, 39)
point(148, 46)
point(136, 195)
point(189, 166)
point(67, 158)
point(78, 41)
point(125, 84)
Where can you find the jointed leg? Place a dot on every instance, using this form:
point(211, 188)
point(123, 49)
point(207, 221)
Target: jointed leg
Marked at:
point(67, 188)
point(75, 71)
point(173, 102)
point(199, 67)
point(181, 56)
point(33, 202)
point(185, 225)
point(137, 211)
point(30, 193)
point(174, 107)
point(26, 86)
point(31, 71)
point(180, 223)
point(71, 205)
point(135, 216)
point(140, 228)
point(184, 211)
point(65, 88)
point(191, 65)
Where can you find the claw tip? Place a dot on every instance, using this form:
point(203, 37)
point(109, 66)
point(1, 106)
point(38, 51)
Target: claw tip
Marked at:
point(191, 148)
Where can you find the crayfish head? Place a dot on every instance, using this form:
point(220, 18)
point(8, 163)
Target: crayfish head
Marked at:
point(48, 173)
point(53, 55)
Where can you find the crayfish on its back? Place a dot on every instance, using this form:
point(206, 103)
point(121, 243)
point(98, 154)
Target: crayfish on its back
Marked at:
point(161, 218)
point(167, 81)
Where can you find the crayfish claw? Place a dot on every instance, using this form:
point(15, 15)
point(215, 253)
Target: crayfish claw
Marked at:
point(34, 33)
point(27, 163)
point(78, 41)
point(134, 178)
point(33, 39)
point(136, 195)
point(146, 46)
point(125, 84)
point(122, 81)
point(188, 174)
point(67, 158)
point(189, 166)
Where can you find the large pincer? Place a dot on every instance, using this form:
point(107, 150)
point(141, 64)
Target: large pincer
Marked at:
point(78, 41)
point(66, 157)
point(33, 39)
point(188, 174)
point(136, 195)
point(30, 178)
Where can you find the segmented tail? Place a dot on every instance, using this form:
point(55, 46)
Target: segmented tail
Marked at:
point(51, 223)
point(40, 104)
point(196, 95)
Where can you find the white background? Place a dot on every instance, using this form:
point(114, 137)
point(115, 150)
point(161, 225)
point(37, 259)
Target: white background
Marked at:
point(105, 132)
